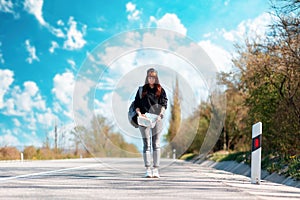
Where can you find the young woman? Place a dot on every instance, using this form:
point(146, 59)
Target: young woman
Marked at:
point(154, 100)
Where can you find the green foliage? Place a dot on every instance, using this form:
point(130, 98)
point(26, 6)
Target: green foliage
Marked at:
point(241, 156)
point(201, 118)
point(265, 86)
point(284, 165)
point(238, 157)
point(217, 156)
point(187, 156)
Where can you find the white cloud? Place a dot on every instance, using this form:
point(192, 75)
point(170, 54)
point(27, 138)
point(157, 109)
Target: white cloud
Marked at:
point(100, 29)
point(57, 107)
point(108, 83)
point(31, 88)
point(31, 138)
point(25, 102)
point(82, 99)
point(130, 7)
point(134, 14)
point(63, 87)
point(72, 63)
point(207, 35)
point(6, 79)
point(54, 45)
point(31, 121)
point(63, 91)
point(104, 106)
point(8, 139)
point(169, 21)
point(32, 52)
point(21, 103)
point(17, 123)
point(30, 98)
point(220, 57)
point(19, 138)
point(75, 38)
point(60, 23)
point(55, 31)
point(47, 118)
point(35, 7)
point(251, 28)
point(6, 6)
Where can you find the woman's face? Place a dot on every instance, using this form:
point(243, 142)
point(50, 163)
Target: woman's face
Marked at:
point(151, 78)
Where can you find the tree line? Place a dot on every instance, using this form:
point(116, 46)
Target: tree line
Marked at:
point(263, 85)
point(98, 140)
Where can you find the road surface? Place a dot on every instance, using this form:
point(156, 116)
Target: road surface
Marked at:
point(122, 178)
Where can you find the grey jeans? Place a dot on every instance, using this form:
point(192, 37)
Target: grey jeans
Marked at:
point(146, 134)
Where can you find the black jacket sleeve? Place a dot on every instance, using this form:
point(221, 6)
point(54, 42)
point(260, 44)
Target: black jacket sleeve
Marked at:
point(163, 99)
point(137, 100)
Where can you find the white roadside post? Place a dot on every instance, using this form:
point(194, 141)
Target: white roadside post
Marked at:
point(256, 153)
point(174, 154)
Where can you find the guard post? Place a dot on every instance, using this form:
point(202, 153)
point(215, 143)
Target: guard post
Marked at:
point(174, 154)
point(256, 153)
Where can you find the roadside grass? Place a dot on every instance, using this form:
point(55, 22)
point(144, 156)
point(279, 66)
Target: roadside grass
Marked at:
point(288, 166)
point(188, 156)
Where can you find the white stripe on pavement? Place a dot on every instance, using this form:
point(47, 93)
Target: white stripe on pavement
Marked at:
point(47, 172)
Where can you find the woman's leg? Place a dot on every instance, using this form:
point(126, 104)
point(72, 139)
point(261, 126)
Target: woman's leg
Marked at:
point(156, 132)
point(145, 131)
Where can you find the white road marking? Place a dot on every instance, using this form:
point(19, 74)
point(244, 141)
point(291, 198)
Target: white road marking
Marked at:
point(47, 172)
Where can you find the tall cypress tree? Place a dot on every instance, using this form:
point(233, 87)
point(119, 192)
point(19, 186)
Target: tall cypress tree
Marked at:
point(175, 114)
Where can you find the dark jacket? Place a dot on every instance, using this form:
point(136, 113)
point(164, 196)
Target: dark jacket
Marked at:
point(150, 103)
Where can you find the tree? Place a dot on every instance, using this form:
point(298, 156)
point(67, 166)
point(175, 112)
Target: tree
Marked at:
point(30, 153)
point(9, 153)
point(200, 119)
point(234, 135)
point(268, 78)
point(101, 141)
point(175, 116)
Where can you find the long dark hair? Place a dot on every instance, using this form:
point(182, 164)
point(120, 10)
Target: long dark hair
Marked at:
point(152, 72)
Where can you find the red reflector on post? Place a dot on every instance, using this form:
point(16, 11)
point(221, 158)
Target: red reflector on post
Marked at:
point(256, 143)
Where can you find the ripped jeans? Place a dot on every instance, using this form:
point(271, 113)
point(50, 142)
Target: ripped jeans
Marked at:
point(155, 136)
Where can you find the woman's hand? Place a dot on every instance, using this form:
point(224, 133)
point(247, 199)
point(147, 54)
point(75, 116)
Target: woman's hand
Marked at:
point(138, 112)
point(158, 118)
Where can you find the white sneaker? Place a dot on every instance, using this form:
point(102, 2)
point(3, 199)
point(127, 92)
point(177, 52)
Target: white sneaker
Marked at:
point(155, 173)
point(148, 173)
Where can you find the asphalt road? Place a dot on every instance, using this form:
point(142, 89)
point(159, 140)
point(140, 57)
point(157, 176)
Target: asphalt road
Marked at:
point(121, 178)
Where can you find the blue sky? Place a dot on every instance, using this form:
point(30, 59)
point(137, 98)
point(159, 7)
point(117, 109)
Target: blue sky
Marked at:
point(43, 44)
